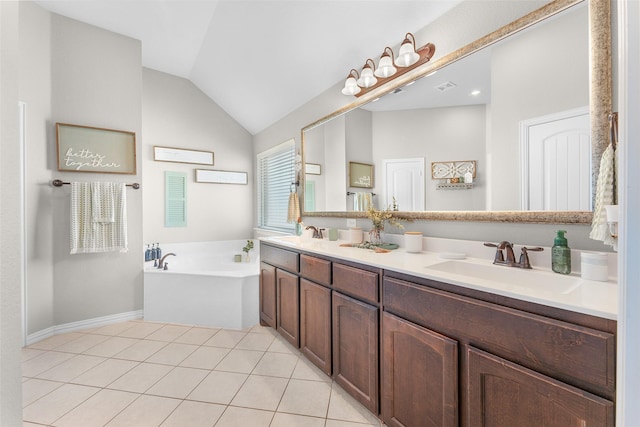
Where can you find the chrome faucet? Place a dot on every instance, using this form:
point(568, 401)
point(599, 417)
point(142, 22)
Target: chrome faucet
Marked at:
point(317, 233)
point(510, 260)
point(161, 263)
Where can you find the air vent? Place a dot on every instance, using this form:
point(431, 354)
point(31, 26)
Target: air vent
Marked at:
point(445, 86)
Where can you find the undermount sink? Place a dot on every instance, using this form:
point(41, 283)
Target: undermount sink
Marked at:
point(511, 278)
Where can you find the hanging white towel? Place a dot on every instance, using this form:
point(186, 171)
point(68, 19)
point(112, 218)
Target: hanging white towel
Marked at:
point(359, 202)
point(605, 195)
point(89, 235)
point(103, 201)
point(293, 212)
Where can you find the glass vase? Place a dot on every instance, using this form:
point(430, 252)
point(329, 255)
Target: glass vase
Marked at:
point(375, 236)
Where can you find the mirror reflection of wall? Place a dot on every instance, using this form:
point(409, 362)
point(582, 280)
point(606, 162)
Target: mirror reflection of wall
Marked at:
point(536, 72)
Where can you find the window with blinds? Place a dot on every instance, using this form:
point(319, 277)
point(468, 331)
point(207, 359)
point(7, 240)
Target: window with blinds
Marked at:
point(276, 172)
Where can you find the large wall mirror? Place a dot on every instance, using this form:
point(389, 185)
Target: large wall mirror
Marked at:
point(527, 106)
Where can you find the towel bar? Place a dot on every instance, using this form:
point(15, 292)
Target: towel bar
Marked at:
point(60, 183)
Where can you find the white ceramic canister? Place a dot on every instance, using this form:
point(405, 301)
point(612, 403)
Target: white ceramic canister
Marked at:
point(413, 241)
point(594, 266)
point(355, 235)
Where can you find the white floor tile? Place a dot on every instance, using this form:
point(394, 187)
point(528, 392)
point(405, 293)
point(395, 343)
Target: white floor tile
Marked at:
point(57, 403)
point(30, 353)
point(178, 383)
point(168, 333)
point(146, 411)
point(242, 361)
point(297, 398)
point(279, 345)
point(55, 341)
point(276, 365)
point(111, 346)
point(172, 354)
point(260, 393)
point(71, 368)
point(235, 417)
point(345, 408)
point(140, 330)
point(291, 420)
point(194, 414)
point(142, 350)
point(82, 344)
point(253, 341)
point(98, 409)
point(225, 338)
point(218, 387)
point(205, 357)
point(105, 373)
point(34, 389)
point(113, 329)
point(305, 370)
point(197, 336)
point(43, 362)
point(141, 378)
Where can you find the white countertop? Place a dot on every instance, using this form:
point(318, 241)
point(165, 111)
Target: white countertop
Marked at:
point(539, 285)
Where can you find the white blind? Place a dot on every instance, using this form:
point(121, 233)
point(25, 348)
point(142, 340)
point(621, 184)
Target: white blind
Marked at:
point(276, 172)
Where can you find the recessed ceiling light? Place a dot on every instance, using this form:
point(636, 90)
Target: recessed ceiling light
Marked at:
point(475, 93)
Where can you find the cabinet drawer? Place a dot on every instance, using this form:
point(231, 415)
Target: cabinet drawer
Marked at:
point(282, 258)
point(316, 269)
point(356, 282)
point(574, 354)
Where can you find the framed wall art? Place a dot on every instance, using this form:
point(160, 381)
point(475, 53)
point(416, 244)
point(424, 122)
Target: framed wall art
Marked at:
point(90, 149)
point(181, 155)
point(221, 177)
point(360, 175)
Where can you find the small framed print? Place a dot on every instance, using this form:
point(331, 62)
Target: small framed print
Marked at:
point(360, 175)
point(98, 150)
point(221, 177)
point(181, 155)
point(312, 169)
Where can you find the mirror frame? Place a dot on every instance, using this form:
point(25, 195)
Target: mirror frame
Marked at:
point(600, 106)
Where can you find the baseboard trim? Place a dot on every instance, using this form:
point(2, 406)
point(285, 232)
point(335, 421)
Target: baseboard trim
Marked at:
point(84, 324)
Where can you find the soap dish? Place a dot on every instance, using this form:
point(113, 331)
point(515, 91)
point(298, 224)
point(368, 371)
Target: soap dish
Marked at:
point(452, 255)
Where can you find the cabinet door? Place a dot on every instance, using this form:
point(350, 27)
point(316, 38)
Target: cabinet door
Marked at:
point(355, 349)
point(267, 295)
point(288, 314)
point(315, 324)
point(501, 393)
point(419, 376)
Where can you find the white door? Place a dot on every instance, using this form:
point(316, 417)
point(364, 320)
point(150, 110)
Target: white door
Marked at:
point(404, 181)
point(556, 162)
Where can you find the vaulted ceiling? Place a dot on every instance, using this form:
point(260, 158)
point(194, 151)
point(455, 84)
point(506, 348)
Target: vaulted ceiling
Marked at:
point(258, 59)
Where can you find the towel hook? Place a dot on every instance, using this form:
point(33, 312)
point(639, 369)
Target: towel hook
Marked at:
point(613, 128)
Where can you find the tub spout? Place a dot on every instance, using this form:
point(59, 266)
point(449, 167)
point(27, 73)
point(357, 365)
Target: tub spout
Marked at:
point(161, 263)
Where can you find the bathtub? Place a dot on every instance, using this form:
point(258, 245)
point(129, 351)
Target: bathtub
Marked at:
point(204, 286)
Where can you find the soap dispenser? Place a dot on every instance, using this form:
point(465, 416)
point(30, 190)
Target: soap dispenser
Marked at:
point(561, 254)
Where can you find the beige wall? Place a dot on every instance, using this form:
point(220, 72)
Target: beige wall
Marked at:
point(177, 114)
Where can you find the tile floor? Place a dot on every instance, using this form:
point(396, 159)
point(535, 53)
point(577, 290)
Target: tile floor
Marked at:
point(140, 373)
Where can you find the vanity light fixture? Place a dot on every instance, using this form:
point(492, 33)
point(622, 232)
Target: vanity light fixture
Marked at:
point(389, 67)
point(367, 78)
point(351, 84)
point(407, 55)
point(385, 65)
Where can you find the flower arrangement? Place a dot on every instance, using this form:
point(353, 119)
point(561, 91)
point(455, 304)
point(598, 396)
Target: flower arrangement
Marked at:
point(247, 248)
point(379, 217)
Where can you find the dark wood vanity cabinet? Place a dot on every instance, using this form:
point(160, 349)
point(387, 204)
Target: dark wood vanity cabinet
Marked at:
point(517, 368)
point(421, 353)
point(288, 306)
point(315, 324)
point(355, 349)
point(419, 375)
point(267, 292)
point(501, 393)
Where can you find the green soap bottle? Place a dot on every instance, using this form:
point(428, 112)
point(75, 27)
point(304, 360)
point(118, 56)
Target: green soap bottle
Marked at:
point(561, 254)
